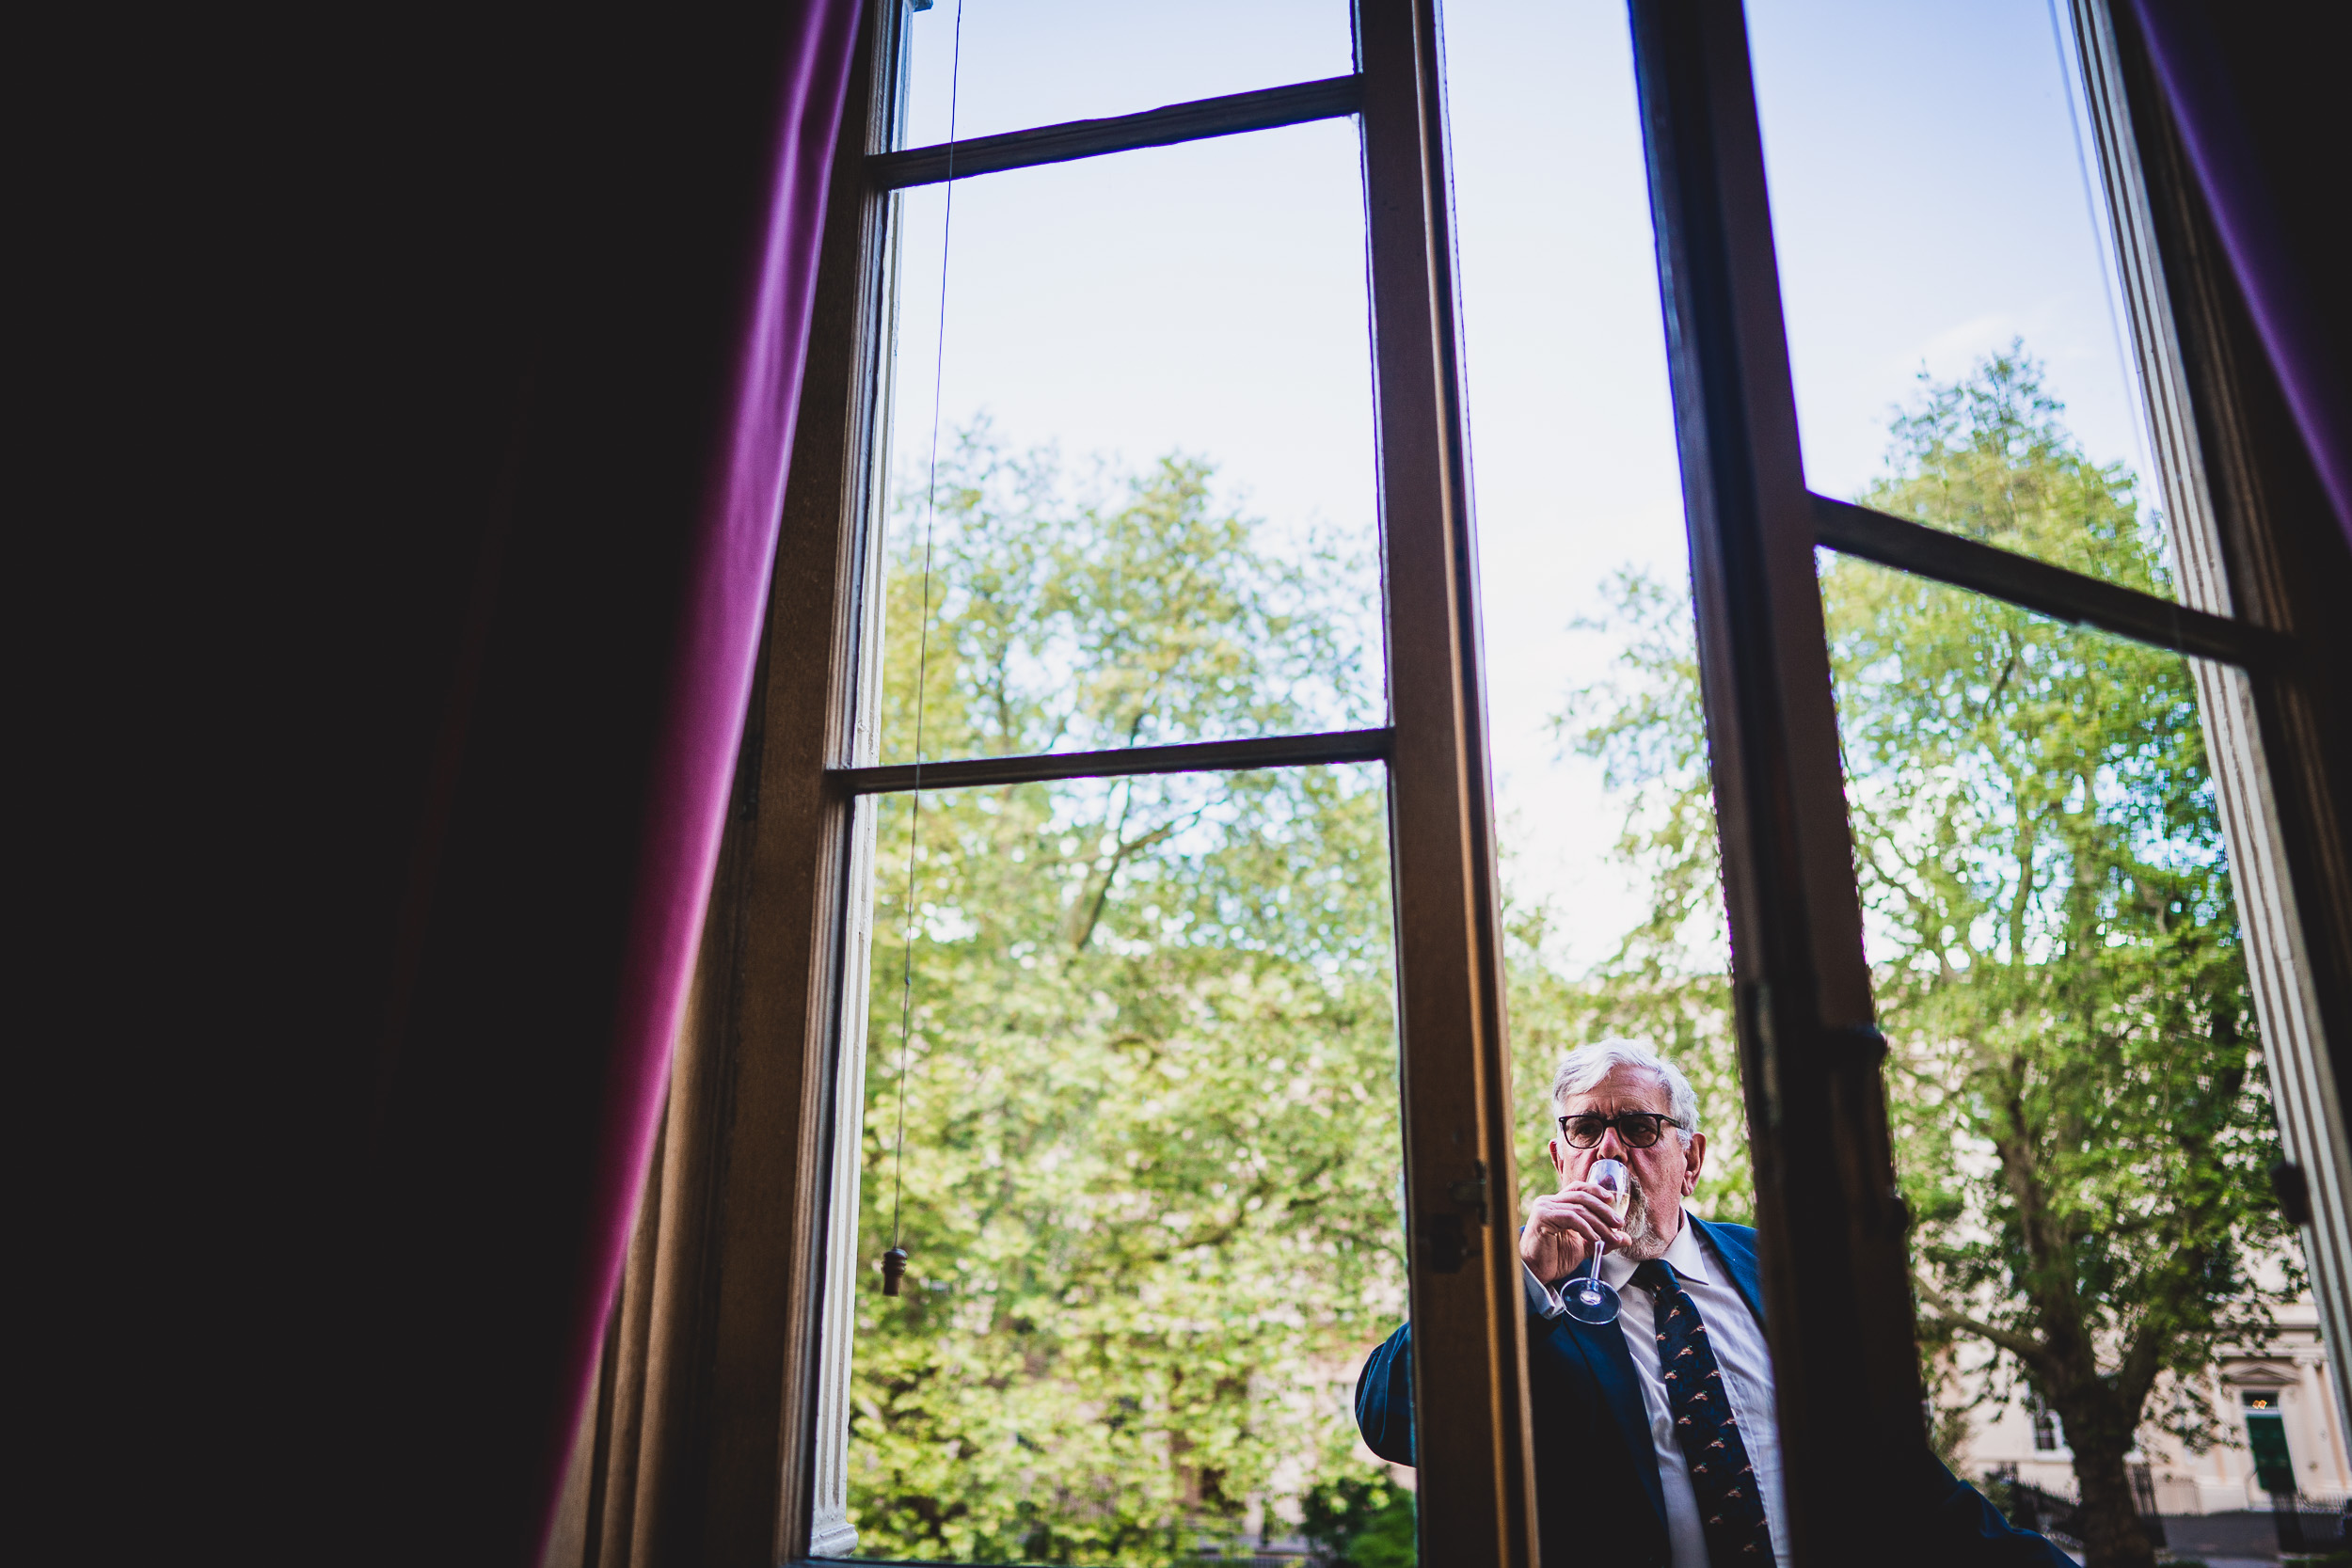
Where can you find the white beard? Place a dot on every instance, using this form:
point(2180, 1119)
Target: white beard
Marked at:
point(1640, 1224)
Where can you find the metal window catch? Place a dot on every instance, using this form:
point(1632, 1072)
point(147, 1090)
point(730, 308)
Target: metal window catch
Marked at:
point(1472, 1193)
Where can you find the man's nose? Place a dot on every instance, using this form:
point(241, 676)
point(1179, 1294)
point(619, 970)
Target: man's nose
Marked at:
point(1610, 1146)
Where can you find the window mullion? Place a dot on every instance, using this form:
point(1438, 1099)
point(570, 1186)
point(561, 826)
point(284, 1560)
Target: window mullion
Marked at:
point(1198, 756)
point(1266, 109)
point(1831, 1226)
point(1474, 1496)
point(2038, 586)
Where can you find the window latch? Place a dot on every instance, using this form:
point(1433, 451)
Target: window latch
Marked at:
point(1472, 1193)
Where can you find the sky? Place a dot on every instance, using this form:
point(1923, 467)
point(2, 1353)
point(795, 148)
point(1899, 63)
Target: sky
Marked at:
point(1929, 205)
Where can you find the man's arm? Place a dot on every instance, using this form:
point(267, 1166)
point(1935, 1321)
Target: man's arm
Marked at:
point(1965, 1530)
point(1384, 1399)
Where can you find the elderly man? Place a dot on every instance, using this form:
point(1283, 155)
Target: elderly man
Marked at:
point(1638, 1461)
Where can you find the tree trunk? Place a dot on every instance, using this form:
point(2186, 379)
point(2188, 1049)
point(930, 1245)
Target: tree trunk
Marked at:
point(2112, 1537)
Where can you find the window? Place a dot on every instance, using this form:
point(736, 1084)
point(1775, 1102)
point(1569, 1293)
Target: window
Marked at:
point(1149, 705)
point(752, 1237)
point(724, 1415)
point(2049, 1437)
point(1809, 1023)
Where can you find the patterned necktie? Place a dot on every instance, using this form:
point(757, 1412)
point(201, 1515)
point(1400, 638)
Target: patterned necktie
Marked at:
point(1731, 1505)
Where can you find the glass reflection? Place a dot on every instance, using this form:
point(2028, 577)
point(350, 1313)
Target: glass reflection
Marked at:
point(1934, 205)
point(2083, 1126)
point(1153, 401)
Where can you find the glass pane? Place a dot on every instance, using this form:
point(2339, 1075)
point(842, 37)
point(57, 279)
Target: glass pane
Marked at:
point(1154, 515)
point(2083, 1125)
point(1152, 1160)
point(1947, 272)
point(1582, 568)
point(1047, 61)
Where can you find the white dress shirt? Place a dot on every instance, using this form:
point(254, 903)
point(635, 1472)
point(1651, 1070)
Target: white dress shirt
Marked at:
point(1738, 1340)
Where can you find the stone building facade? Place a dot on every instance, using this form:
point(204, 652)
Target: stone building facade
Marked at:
point(2277, 1401)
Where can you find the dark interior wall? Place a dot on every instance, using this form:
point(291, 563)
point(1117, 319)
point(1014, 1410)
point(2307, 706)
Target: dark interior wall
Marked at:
point(383, 358)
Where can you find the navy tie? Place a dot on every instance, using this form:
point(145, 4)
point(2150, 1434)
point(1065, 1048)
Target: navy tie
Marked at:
point(1731, 1505)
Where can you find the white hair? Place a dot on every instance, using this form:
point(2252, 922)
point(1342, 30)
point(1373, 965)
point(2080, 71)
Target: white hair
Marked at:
point(1584, 1068)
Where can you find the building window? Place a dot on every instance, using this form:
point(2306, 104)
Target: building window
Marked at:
point(2049, 1435)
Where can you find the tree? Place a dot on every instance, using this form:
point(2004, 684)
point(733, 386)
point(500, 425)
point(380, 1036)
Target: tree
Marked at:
point(1359, 1520)
point(1664, 985)
point(1151, 1142)
point(2082, 1126)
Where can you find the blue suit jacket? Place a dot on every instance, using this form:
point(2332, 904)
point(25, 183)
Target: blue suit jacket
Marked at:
point(1596, 1467)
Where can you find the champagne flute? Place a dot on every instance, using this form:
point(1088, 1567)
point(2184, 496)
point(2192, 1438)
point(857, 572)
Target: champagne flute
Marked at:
point(1589, 1299)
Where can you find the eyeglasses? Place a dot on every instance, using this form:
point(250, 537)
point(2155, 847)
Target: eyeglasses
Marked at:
point(1636, 1128)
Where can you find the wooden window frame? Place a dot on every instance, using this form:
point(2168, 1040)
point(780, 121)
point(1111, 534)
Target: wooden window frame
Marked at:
point(721, 1415)
point(1835, 1264)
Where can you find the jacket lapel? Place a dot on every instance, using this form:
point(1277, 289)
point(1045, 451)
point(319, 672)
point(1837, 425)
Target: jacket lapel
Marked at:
point(1736, 1247)
point(1603, 1348)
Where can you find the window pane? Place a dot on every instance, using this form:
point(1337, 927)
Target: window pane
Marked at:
point(1047, 61)
point(2081, 1115)
point(1582, 568)
point(1154, 515)
point(1933, 204)
point(1150, 1171)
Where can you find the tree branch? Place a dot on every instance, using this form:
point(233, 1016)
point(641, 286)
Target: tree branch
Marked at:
point(2023, 1346)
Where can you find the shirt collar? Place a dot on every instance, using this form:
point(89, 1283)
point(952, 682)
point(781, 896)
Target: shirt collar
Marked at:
point(1686, 1254)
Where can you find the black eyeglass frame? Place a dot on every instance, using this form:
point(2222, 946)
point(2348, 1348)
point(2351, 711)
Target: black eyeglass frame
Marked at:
point(1624, 1121)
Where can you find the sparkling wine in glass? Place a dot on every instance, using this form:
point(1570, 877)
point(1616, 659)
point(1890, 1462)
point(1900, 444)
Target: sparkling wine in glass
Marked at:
point(1588, 1298)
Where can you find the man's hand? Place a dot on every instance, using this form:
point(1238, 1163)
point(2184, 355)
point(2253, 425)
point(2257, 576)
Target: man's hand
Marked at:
point(1562, 1227)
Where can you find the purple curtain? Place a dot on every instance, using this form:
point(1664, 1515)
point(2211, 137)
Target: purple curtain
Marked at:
point(2189, 63)
point(710, 679)
point(415, 390)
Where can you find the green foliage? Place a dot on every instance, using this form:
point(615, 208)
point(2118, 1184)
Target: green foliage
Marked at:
point(2082, 1121)
point(2083, 1130)
point(1150, 1092)
point(1357, 1520)
point(1135, 614)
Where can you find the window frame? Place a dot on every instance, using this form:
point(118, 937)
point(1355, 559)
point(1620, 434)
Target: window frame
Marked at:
point(731, 1340)
point(1835, 1266)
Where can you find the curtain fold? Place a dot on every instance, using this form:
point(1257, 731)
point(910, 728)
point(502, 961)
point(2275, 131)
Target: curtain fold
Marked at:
point(2190, 64)
point(622, 213)
point(708, 682)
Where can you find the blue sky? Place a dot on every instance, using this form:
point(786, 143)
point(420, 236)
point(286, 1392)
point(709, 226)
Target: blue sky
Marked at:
point(1929, 206)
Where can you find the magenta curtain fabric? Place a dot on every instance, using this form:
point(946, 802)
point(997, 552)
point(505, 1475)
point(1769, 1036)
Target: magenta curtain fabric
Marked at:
point(2189, 63)
point(710, 679)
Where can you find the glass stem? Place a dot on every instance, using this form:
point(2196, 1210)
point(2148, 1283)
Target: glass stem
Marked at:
point(1598, 1249)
